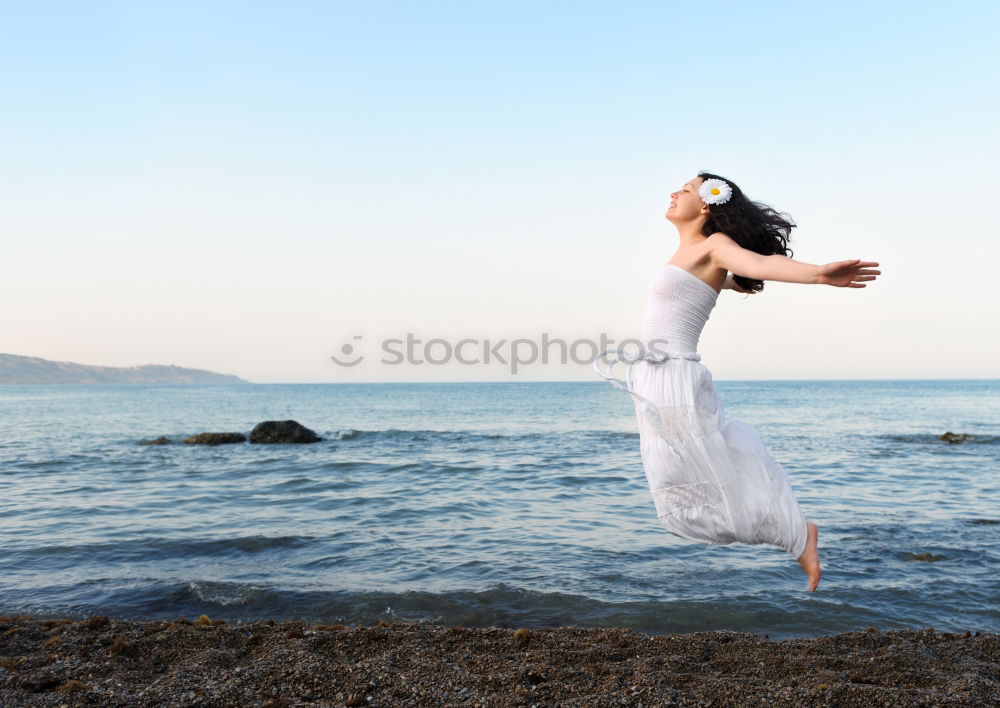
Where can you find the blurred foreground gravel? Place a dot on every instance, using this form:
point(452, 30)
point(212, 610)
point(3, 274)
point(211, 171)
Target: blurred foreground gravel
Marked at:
point(108, 662)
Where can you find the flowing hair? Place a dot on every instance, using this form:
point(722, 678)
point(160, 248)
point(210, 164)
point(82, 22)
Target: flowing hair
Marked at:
point(753, 225)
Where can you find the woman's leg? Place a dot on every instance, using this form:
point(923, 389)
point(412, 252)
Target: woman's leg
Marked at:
point(809, 560)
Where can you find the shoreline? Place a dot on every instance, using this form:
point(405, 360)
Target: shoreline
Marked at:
point(111, 662)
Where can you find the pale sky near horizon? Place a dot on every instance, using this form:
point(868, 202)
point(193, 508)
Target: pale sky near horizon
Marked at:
point(245, 187)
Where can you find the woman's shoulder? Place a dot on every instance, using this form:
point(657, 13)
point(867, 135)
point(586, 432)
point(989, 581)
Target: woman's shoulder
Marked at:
point(719, 237)
point(717, 243)
point(700, 256)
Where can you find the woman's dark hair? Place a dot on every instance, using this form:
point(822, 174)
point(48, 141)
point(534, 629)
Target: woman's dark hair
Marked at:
point(753, 225)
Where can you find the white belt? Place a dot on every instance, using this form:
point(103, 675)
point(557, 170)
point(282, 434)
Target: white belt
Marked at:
point(651, 411)
point(624, 357)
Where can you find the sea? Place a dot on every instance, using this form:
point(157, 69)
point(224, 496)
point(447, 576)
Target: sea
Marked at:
point(507, 504)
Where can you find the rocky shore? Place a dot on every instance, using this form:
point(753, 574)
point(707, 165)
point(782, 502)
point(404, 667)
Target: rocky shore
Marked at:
point(205, 662)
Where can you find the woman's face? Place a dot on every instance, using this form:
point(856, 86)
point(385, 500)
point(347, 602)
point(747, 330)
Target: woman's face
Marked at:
point(686, 203)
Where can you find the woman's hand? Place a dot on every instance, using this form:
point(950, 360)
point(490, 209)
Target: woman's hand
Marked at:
point(847, 274)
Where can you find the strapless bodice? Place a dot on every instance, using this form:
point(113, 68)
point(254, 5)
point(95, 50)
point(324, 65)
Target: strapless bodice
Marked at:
point(678, 304)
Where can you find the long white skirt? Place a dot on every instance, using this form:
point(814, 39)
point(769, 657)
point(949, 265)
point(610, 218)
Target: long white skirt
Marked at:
point(712, 479)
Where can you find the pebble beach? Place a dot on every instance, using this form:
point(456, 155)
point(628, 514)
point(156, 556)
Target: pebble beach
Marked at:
point(205, 662)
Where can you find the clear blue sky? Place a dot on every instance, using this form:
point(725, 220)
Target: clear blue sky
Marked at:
point(245, 186)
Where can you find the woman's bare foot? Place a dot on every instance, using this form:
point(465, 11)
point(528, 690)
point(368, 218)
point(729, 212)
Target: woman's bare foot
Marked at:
point(809, 560)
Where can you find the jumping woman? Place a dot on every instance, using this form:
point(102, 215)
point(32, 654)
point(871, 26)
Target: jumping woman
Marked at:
point(712, 480)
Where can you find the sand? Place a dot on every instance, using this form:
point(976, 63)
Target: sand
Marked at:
point(109, 662)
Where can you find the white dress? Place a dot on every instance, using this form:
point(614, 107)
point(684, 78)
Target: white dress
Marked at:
point(712, 480)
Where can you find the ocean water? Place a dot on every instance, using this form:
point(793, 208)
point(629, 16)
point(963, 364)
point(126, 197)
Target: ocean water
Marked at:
point(505, 504)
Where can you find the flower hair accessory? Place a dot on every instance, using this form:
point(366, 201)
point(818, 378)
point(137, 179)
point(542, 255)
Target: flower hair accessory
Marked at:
point(715, 191)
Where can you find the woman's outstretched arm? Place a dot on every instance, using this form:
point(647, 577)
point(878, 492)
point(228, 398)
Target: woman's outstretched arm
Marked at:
point(728, 254)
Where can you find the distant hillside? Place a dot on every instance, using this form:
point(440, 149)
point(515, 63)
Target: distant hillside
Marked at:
point(16, 369)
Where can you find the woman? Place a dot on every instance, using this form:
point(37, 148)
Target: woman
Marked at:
point(712, 479)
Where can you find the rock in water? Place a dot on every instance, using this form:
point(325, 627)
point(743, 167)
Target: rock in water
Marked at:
point(282, 431)
point(156, 441)
point(955, 437)
point(215, 438)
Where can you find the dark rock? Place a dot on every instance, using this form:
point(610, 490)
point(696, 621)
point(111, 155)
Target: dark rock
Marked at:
point(216, 438)
point(955, 437)
point(925, 557)
point(156, 441)
point(282, 431)
point(533, 676)
point(39, 684)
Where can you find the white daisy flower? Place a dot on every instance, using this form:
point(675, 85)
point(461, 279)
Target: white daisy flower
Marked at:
point(715, 191)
